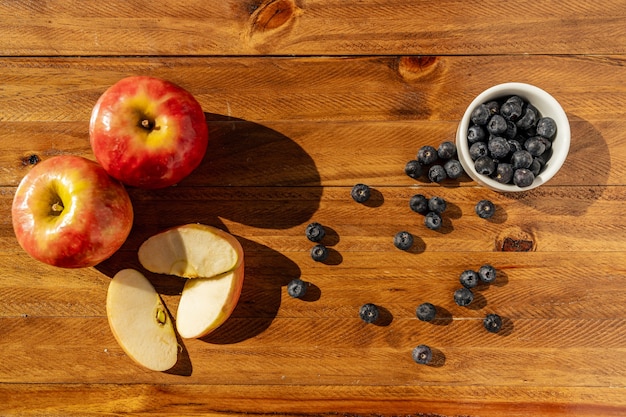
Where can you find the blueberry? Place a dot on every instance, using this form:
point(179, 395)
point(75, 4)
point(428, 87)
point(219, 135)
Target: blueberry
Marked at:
point(493, 106)
point(475, 134)
point(469, 278)
point(521, 159)
point(523, 177)
point(485, 209)
point(315, 232)
point(419, 204)
point(296, 288)
point(511, 110)
point(487, 274)
point(498, 147)
point(546, 142)
point(426, 312)
point(361, 193)
point(504, 173)
point(534, 146)
point(453, 169)
point(422, 354)
point(480, 115)
point(515, 145)
point(477, 150)
point(546, 127)
point(437, 204)
point(436, 173)
point(319, 253)
point(413, 169)
point(432, 220)
point(493, 323)
point(463, 297)
point(446, 150)
point(496, 125)
point(516, 99)
point(403, 240)
point(529, 119)
point(535, 167)
point(426, 155)
point(485, 165)
point(369, 313)
point(511, 130)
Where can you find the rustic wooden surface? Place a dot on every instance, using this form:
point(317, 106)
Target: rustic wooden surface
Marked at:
point(305, 99)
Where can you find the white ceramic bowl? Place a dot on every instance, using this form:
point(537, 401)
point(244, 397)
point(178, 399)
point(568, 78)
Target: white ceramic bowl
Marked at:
point(547, 106)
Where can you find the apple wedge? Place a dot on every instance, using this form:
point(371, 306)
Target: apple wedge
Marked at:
point(191, 251)
point(140, 322)
point(206, 303)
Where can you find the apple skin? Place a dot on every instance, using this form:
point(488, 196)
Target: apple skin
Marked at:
point(94, 221)
point(148, 132)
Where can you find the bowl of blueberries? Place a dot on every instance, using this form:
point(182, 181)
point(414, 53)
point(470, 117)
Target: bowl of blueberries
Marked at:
point(513, 137)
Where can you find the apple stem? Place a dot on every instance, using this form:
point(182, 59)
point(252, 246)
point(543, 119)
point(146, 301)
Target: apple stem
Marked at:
point(147, 124)
point(57, 208)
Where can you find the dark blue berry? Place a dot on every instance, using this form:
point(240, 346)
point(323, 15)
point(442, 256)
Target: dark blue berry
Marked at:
point(446, 150)
point(315, 232)
point(546, 142)
point(419, 204)
point(546, 127)
point(515, 145)
point(319, 253)
point(493, 106)
point(523, 177)
point(469, 278)
point(480, 115)
point(493, 323)
point(485, 209)
point(369, 313)
point(422, 354)
point(511, 130)
point(535, 167)
point(529, 119)
point(426, 312)
point(453, 169)
point(360, 193)
point(477, 150)
point(432, 220)
point(297, 288)
point(485, 165)
point(426, 155)
point(498, 147)
point(436, 173)
point(437, 204)
point(413, 169)
point(511, 110)
point(496, 125)
point(487, 274)
point(463, 297)
point(403, 240)
point(515, 99)
point(535, 146)
point(504, 173)
point(521, 159)
point(475, 134)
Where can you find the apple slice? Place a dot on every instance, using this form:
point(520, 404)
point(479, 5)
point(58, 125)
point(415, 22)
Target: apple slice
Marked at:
point(140, 322)
point(206, 303)
point(191, 251)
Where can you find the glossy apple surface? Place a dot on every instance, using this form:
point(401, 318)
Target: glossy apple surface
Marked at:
point(140, 322)
point(68, 212)
point(148, 132)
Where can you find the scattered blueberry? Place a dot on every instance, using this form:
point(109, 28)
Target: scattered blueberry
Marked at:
point(487, 274)
point(436, 173)
point(297, 288)
point(485, 165)
point(319, 253)
point(446, 150)
point(369, 313)
point(361, 193)
point(426, 312)
point(437, 204)
point(453, 168)
point(485, 209)
point(422, 354)
point(469, 278)
point(463, 297)
point(493, 323)
point(432, 220)
point(419, 204)
point(413, 169)
point(403, 240)
point(426, 155)
point(315, 232)
point(546, 127)
point(523, 177)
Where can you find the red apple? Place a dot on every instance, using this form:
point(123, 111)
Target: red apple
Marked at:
point(148, 132)
point(68, 212)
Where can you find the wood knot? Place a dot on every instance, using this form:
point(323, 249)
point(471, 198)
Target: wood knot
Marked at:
point(515, 239)
point(411, 67)
point(272, 14)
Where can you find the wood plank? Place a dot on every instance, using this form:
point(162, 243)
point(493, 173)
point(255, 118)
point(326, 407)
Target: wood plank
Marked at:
point(296, 27)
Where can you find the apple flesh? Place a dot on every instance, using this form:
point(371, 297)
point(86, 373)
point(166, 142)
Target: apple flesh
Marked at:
point(206, 303)
point(148, 132)
point(140, 322)
point(68, 212)
point(191, 251)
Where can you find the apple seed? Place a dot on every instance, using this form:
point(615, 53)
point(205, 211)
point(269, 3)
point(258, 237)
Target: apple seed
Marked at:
point(161, 317)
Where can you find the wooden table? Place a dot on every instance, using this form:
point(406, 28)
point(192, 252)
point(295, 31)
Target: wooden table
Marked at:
point(304, 99)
